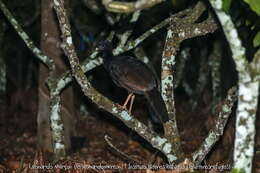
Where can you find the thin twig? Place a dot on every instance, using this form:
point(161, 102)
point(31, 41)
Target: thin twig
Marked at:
point(21, 165)
point(108, 138)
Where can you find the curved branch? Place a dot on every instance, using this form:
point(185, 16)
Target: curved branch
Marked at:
point(29, 43)
point(214, 135)
point(155, 140)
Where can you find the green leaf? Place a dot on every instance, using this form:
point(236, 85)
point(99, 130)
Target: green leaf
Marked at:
point(236, 170)
point(226, 5)
point(256, 41)
point(254, 5)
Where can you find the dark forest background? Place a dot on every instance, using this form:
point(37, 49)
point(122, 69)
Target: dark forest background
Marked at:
point(196, 106)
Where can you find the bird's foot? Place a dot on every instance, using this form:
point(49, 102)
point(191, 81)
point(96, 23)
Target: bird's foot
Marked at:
point(130, 97)
point(122, 106)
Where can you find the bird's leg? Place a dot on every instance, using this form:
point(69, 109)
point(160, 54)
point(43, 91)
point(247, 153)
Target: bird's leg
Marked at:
point(127, 100)
point(131, 103)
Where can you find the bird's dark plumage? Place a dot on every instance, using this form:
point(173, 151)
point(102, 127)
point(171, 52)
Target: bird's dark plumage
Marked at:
point(133, 75)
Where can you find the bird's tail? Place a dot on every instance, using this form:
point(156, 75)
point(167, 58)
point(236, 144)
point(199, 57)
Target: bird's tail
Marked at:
point(157, 107)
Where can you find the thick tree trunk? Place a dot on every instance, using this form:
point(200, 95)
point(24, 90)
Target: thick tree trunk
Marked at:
point(50, 45)
point(248, 94)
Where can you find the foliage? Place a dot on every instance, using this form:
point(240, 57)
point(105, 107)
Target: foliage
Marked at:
point(254, 5)
point(235, 170)
point(226, 5)
point(256, 41)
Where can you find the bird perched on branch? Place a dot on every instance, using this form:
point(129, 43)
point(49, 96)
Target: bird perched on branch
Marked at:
point(132, 74)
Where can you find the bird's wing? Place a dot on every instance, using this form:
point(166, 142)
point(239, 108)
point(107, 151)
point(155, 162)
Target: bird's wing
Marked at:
point(132, 74)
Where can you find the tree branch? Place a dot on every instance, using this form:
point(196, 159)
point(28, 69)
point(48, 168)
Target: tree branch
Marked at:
point(182, 27)
point(248, 93)
point(215, 133)
point(156, 141)
point(55, 117)
point(29, 43)
point(128, 7)
point(93, 61)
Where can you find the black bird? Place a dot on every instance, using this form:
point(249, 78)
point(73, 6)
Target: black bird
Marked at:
point(133, 75)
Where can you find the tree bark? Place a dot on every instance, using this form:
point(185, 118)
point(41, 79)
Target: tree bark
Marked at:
point(50, 45)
